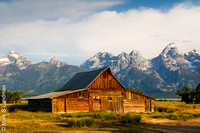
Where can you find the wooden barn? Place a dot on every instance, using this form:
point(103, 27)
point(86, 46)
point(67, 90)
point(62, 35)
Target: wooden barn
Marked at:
point(97, 90)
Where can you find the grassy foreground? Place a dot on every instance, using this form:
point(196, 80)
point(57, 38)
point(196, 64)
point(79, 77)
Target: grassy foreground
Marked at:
point(19, 119)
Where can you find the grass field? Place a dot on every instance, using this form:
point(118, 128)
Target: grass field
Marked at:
point(168, 117)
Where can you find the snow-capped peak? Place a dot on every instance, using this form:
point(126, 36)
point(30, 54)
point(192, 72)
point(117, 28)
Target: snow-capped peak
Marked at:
point(13, 57)
point(192, 55)
point(195, 52)
point(103, 54)
point(12, 51)
point(55, 61)
point(135, 54)
point(12, 54)
point(172, 45)
point(171, 51)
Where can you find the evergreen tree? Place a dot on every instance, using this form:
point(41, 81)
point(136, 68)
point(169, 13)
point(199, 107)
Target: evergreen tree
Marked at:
point(196, 92)
point(132, 89)
point(185, 94)
point(140, 91)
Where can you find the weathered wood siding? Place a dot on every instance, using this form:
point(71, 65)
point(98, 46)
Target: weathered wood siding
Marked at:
point(77, 105)
point(134, 106)
point(71, 102)
point(40, 105)
point(134, 102)
point(105, 85)
point(112, 104)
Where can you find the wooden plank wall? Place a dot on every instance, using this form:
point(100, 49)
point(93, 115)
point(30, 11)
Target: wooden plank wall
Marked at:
point(71, 102)
point(105, 85)
point(112, 105)
point(134, 106)
point(77, 105)
point(134, 102)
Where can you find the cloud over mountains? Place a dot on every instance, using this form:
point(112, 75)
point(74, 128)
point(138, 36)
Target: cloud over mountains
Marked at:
point(78, 28)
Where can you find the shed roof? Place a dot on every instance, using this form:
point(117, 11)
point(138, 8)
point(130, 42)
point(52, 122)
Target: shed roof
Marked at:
point(53, 94)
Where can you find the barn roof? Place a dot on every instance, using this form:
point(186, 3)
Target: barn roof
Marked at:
point(84, 79)
point(53, 94)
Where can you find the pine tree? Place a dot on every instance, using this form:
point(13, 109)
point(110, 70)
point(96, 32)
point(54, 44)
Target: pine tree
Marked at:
point(185, 94)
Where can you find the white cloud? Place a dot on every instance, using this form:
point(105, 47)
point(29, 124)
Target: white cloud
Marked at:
point(146, 30)
point(30, 10)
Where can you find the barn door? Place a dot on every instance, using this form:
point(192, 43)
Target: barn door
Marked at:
point(61, 105)
point(147, 105)
point(112, 104)
point(97, 104)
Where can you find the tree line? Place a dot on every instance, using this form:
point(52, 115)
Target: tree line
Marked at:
point(188, 95)
point(134, 90)
point(14, 97)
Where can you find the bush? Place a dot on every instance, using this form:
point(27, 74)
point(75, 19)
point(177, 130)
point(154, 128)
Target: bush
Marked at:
point(89, 122)
point(165, 109)
point(131, 119)
point(81, 122)
point(174, 116)
point(104, 116)
point(159, 116)
point(196, 115)
point(72, 123)
point(185, 116)
point(77, 115)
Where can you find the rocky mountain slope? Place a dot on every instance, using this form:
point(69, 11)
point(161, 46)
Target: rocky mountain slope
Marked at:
point(165, 73)
point(19, 73)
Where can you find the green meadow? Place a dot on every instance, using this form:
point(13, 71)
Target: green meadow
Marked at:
point(167, 117)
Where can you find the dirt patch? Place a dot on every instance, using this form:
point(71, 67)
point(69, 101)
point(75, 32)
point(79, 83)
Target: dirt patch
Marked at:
point(172, 126)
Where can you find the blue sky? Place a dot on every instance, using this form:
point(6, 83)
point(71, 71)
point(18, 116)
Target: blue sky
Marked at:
point(156, 4)
point(75, 30)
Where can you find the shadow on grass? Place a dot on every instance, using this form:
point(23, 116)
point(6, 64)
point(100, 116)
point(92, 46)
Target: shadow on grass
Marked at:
point(113, 127)
point(14, 107)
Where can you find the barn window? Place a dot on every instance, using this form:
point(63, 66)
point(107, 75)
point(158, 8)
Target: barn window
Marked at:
point(81, 94)
point(109, 98)
point(114, 98)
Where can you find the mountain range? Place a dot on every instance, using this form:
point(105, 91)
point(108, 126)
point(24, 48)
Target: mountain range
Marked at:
point(167, 72)
point(19, 73)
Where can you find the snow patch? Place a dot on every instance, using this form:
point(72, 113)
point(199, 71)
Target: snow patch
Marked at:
point(16, 56)
point(150, 64)
point(102, 62)
point(172, 45)
point(196, 60)
point(4, 59)
point(190, 64)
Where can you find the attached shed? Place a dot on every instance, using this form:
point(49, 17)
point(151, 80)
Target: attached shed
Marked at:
point(97, 90)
